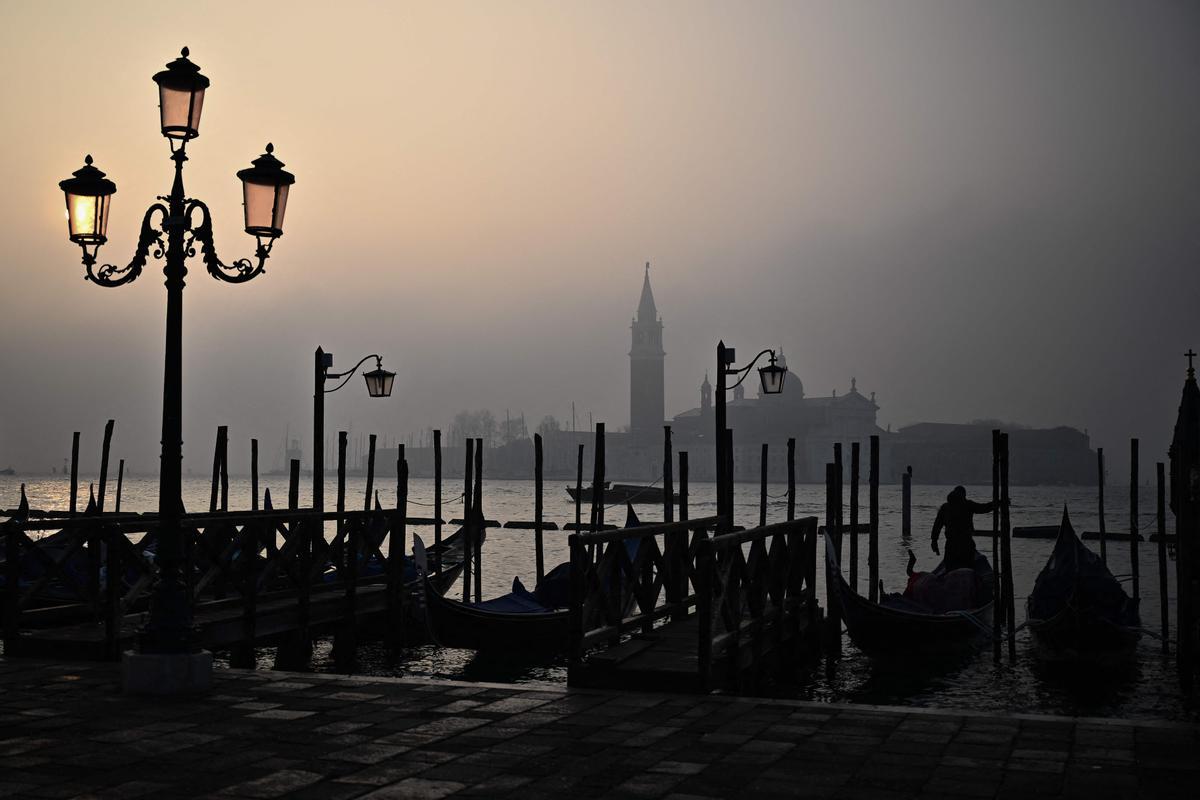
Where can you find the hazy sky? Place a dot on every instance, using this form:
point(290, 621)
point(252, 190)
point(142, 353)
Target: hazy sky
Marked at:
point(978, 209)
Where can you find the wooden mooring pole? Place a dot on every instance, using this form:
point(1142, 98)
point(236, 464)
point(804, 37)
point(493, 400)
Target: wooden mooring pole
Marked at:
point(598, 480)
point(791, 480)
point(477, 513)
point(397, 544)
point(370, 473)
point(1006, 550)
point(683, 485)
point(832, 606)
point(1100, 491)
point(997, 567)
point(873, 544)
point(906, 504)
point(254, 474)
point(104, 450)
point(762, 488)
point(73, 500)
point(215, 488)
point(1162, 558)
point(1134, 567)
point(838, 489)
point(120, 480)
point(437, 500)
point(854, 457)
point(537, 506)
point(668, 478)
point(468, 546)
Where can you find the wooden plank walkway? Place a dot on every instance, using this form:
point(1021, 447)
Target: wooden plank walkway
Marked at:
point(67, 732)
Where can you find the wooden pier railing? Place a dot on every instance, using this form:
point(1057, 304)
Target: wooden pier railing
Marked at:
point(682, 602)
point(232, 560)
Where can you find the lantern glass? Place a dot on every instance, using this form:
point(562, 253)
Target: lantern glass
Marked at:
point(379, 382)
point(180, 111)
point(264, 205)
point(87, 218)
point(772, 377)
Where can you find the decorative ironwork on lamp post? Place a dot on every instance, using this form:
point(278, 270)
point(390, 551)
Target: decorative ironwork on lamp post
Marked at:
point(172, 230)
point(771, 377)
point(379, 384)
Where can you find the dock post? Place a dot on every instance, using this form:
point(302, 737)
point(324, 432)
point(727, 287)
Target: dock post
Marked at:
point(397, 541)
point(254, 474)
point(437, 500)
point(683, 485)
point(104, 450)
point(598, 480)
point(480, 522)
point(215, 487)
point(242, 655)
point(537, 506)
point(225, 471)
point(1006, 550)
point(468, 527)
point(854, 468)
point(791, 478)
point(1103, 539)
point(1162, 558)
point(74, 474)
point(668, 478)
point(112, 595)
point(579, 563)
point(12, 586)
point(120, 480)
point(729, 462)
point(1134, 567)
point(295, 648)
point(345, 639)
point(873, 543)
point(839, 527)
point(906, 504)
point(762, 488)
point(370, 473)
point(832, 605)
point(997, 567)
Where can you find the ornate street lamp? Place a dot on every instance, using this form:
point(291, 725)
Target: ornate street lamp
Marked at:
point(771, 376)
point(169, 659)
point(379, 384)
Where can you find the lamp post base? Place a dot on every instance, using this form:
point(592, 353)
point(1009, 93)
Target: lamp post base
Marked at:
point(166, 673)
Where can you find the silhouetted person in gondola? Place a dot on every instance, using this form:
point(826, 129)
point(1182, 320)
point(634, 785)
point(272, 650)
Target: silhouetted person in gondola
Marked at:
point(957, 516)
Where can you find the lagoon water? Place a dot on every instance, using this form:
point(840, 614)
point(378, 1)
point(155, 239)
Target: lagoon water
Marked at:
point(1146, 688)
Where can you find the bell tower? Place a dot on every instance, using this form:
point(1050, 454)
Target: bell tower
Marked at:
point(646, 358)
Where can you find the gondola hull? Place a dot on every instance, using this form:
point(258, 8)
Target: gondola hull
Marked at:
point(455, 624)
point(1077, 609)
point(882, 629)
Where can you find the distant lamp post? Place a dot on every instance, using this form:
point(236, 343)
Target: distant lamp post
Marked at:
point(170, 660)
point(771, 376)
point(379, 384)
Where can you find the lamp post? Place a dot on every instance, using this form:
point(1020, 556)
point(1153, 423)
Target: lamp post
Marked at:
point(771, 377)
point(169, 660)
point(379, 384)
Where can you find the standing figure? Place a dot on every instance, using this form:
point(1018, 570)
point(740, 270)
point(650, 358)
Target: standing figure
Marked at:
point(957, 516)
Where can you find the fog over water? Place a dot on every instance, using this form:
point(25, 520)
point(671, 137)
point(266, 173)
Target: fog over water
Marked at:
point(977, 209)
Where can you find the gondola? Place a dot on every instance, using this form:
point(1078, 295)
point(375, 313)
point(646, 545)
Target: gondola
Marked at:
point(521, 620)
point(900, 623)
point(1077, 608)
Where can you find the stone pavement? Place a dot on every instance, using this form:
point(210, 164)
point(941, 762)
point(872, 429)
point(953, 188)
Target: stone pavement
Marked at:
point(65, 731)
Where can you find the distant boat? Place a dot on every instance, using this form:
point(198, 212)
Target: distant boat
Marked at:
point(8, 471)
point(622, 493)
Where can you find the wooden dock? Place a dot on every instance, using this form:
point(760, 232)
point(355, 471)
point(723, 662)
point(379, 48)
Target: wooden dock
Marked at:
point(693, 613)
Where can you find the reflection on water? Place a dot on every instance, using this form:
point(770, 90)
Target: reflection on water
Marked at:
point(1147, 687)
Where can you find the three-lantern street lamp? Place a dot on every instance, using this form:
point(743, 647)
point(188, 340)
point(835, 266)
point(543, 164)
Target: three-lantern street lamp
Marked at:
point(172, 230)
point(771, 378)
point(379, 384)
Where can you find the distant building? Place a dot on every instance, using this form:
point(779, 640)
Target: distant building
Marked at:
point(646, 366)
point(962, 454)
